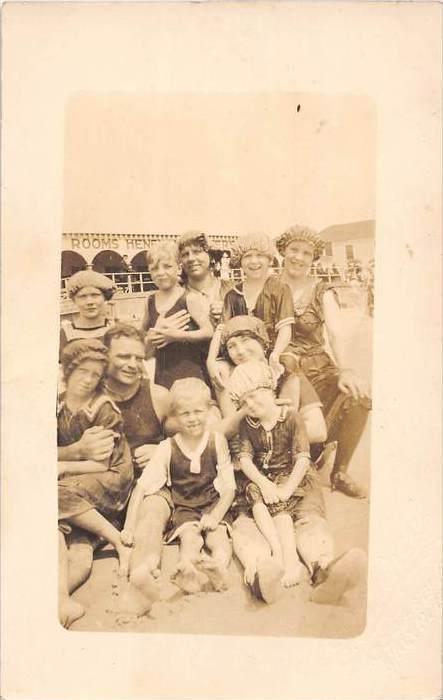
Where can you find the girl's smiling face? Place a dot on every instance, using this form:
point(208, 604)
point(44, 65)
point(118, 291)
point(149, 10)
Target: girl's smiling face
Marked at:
point(90, 302)
point(84, 379)
point(164, 272)
point(299, 256)
point(242, 348)
point(255, 265)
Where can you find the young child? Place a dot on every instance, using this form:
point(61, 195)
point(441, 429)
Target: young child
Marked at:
point(274, 456)
point(244, 338)
point(260, 294)
point(196, 466)
point(89, 291)
point(90, 493)
point(175, 342)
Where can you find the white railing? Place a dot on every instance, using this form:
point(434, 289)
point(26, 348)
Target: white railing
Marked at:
point(141, 282)
point(126, 282)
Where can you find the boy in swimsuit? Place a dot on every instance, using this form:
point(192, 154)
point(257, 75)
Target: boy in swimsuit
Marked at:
point(195, 464)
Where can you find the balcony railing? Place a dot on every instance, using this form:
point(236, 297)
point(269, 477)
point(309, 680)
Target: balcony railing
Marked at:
point(141, 282)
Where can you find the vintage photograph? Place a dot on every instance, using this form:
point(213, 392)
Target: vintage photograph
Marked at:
point(216, 306)
point(221, 325)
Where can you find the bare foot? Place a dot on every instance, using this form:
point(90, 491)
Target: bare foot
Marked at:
point(249, 574)
point(124, 556)
point(144, 580)
point(343, 574)
point(131, 600)
point(293, 573)
point(189, 579)
point(216, 572)
point(268, 580)
point(69, 611)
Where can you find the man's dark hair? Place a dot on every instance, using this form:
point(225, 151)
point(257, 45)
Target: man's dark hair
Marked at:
point(122, 330)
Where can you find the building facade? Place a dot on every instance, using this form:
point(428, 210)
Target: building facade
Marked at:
point(114, 252)
point(347, 243)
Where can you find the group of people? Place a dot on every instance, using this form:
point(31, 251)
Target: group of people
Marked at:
point(220, 449)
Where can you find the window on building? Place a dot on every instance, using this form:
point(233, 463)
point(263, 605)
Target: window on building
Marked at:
point(328, 249)
point(350, 252)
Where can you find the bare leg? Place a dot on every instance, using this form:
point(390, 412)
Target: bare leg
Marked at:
point(291, 562)
point(249, 546)
point(290, 389)
point(80, 556)
point(187, 577)
point(314, 542)
point(69, 610)
point(216, 566)
point(262, 573)
point(154, 514)
point(93, 521)
point(315, 423)
point(267, 527)
point(344, 574)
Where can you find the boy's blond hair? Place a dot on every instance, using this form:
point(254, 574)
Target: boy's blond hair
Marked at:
point(185, 389)
point(161, 250)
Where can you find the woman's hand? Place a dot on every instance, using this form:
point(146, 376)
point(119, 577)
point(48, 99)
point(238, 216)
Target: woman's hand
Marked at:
point(208, 522)
point(269, 491)
point(277, 368)
point(155, 339)
point(96, 443)
point(168, 333)
point(351, 383)
point(284, 492)
point(168, 328)
point(127, 537)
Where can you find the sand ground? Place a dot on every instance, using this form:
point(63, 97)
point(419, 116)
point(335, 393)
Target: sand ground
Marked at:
point(235, 611)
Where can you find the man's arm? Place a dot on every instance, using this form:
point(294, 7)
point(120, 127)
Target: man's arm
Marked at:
point(85, 466)
point(95, 444)
point(161, 401)
point(349, 381)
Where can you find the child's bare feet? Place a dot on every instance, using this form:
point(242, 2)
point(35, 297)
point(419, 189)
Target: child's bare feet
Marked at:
point(69, 611)
point(188, 578)
point(131, 600)
point(144, 580)
point(268, 580)
point(249, 574)
point(216, 572)
point(344, 573)
point(293, 573)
